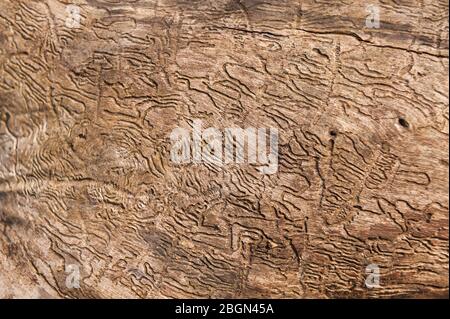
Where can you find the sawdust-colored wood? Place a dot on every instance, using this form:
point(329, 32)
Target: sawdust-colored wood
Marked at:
point(85, 170)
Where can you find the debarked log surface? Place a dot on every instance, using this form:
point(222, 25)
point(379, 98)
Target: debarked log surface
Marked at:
point(93, 205)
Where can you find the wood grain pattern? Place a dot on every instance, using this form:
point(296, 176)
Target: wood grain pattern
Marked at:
point(85, 170)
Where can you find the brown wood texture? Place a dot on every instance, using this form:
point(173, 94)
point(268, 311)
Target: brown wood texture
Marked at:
point(85, 171)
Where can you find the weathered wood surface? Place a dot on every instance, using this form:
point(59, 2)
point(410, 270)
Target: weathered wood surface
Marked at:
point(85, 171)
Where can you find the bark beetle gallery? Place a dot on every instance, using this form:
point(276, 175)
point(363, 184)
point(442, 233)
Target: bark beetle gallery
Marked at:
point(92, 206)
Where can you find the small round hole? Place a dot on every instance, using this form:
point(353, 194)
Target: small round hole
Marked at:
point(403, 122)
